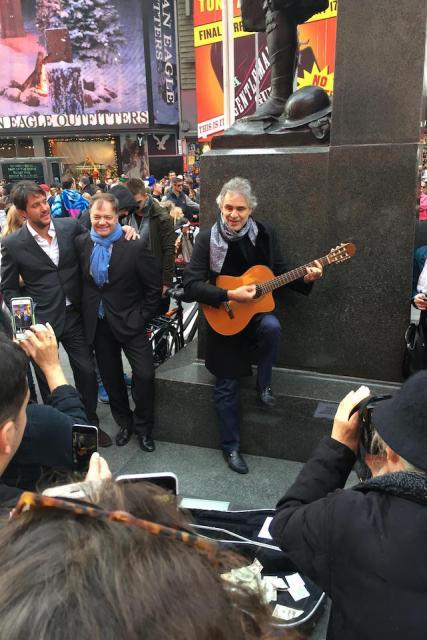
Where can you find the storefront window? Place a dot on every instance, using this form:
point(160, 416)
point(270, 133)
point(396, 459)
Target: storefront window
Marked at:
point(95, 156)
point(24, 148)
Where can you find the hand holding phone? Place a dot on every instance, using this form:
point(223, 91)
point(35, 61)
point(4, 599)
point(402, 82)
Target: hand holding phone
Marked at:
point(84, 445)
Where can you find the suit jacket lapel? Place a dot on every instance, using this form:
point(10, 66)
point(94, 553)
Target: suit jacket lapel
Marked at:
point(31, 245)
point(61, 242)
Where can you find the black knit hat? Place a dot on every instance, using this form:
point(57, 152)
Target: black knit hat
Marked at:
point(402, 420)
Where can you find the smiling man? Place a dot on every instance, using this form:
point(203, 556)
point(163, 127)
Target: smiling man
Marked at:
point(235, 243)
point(121, 291)
point(39, 261)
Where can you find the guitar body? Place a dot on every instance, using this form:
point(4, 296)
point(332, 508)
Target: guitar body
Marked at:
point(220, 320)
point(233, 317)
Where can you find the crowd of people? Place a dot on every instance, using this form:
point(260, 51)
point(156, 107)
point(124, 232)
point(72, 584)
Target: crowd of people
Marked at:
point(123, 561)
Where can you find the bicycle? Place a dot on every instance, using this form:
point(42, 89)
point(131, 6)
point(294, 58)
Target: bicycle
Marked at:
point(175, 329)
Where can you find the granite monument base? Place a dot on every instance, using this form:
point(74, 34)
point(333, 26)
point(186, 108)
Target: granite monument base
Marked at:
point(306, 404)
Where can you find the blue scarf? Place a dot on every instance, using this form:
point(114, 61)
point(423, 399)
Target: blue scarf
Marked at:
point(100, 259)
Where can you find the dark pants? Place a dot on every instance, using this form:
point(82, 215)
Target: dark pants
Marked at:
point(81, 361)
point(138, 351)
point(227, 390)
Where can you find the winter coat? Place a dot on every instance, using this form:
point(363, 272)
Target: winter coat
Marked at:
point(70, 203)
point(366, 546)
point(230, 356)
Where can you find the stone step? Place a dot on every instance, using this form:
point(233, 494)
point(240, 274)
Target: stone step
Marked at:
point(306, 403)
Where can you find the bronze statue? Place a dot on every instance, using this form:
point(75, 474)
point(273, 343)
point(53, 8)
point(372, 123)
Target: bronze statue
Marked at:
point(279, 20)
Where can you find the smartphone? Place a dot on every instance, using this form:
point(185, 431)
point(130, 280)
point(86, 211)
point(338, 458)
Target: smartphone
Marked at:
point(84, 444)
point(22, 316)
point(166, 480)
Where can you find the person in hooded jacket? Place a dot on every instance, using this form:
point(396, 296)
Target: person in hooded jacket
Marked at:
point(70, 202)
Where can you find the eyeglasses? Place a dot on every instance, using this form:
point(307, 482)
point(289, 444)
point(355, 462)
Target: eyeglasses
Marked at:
point(33, 501)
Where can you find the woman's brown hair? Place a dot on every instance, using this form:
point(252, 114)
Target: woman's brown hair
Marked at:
point(65, 576)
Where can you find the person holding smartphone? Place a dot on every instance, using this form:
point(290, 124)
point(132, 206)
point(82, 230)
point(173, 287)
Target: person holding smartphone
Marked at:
point(33, 436)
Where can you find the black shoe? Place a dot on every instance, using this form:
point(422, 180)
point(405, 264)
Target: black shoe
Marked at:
point(123, 436)
point(104, 439)
point(235, 461)
point(146, 443)
point(266, 397)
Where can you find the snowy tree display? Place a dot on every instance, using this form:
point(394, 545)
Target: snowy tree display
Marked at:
point(47, 14)
point(65, 88)
point(95, 30)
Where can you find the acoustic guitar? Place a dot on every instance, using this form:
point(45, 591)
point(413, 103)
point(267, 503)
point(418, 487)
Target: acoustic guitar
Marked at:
point(232, 317)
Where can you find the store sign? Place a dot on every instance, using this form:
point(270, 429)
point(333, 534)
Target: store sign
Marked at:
point(161, 144)
point(62, 75)
point(163, 61)
point(16, 171)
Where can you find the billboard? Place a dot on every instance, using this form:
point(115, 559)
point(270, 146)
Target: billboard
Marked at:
point(316, 62)
point(74, 64)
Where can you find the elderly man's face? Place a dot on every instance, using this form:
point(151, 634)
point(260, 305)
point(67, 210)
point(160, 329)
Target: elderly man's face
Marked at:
point(235, 211)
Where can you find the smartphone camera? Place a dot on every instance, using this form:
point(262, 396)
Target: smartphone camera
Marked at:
point(84, 444)
point(22, 316)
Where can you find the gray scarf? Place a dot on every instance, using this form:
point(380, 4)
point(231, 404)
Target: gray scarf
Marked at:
point(221, 235)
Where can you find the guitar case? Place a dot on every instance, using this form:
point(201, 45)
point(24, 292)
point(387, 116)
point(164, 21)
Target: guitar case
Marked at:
point(239, 531)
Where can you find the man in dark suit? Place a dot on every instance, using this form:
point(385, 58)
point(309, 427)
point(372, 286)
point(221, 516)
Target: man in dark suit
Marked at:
point(42, 253)
point(122, 288)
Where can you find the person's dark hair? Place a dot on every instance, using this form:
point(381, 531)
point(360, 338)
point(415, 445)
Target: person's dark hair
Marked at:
point(106, 197)
point(119, 581)
point(136, 185)
point(67, 182)
point(13, 376)
point(85, 180)
point(186, 189)
point(22, 190)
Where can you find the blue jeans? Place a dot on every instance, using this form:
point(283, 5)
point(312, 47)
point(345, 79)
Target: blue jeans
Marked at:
point(226, 392)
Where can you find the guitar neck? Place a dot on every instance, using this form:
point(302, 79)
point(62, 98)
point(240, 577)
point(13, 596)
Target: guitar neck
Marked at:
point(289, 276)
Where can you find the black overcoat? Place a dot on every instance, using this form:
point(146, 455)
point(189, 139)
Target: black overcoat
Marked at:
point(130, 297)
point(230, 356)
point(366, 546)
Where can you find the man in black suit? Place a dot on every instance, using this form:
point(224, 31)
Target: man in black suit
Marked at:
point(122, 288)
point(42, 253)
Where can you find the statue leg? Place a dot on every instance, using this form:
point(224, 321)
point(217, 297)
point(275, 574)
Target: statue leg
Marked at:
point(282, 42)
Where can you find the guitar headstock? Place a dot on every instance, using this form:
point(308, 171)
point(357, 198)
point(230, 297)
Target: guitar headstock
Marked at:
point(342, 252)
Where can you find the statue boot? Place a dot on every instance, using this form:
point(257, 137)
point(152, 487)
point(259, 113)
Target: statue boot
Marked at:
point(282, 42)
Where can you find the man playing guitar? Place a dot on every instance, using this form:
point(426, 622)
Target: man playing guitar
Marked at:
point(235, 243)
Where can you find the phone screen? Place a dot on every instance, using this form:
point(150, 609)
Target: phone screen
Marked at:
point(167, 481)
point(84, 444)
point(22, 316)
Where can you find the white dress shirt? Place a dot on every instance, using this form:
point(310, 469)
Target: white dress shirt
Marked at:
point(51, 249)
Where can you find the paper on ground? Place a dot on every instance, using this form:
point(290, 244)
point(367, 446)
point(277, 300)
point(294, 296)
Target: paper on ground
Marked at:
point(286, 613)
point(297, 587)
point(264, 533)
